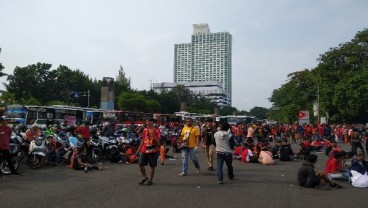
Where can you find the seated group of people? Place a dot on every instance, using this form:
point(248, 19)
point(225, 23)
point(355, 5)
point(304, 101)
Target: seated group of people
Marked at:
point(263, 152)
point(336, 169)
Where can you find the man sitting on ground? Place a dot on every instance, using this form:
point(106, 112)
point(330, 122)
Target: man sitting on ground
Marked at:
point(359, 176)
point(333, 167)
point(307, 177)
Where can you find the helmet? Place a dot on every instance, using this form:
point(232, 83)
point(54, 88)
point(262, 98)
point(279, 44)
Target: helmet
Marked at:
point(43, 127)
point(62, 134)
point(129, 151)
point(93, 130)
point(70, 129)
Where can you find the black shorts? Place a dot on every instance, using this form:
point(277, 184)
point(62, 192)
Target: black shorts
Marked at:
point(145, 159)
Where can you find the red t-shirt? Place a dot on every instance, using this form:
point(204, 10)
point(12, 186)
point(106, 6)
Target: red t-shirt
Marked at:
point(149, 143)
point(238, 151)
point(5, 134)
point(308, 131)
point(244, 155)
point(332, 166)
point(84, 131)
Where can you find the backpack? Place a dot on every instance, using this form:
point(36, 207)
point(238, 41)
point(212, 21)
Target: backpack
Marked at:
point(285, 152)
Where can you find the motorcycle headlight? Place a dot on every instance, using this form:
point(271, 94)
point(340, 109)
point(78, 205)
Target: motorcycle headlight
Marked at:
point(38, 142)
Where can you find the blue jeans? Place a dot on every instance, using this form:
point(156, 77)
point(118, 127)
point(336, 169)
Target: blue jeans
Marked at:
point(345, 175)
point(228, 159)
point(189, 152)
point(55, 156)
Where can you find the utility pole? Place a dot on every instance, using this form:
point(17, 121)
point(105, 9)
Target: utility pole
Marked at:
point(318, 104)
point(88, 99)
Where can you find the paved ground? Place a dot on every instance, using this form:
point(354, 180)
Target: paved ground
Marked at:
point(117, 186)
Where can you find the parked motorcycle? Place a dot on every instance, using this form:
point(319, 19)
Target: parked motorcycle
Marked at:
point(109, 146)
point(94, 149)
point(175, 138)
point(14, 149)
point(37, 153)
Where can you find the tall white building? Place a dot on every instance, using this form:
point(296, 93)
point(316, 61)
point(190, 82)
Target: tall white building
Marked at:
point(206, 58)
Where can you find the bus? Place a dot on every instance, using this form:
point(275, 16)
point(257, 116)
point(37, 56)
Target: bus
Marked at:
point(233, 120)
point(94, 116)
point(44, 115)
point(126, 117)
point(167, 118)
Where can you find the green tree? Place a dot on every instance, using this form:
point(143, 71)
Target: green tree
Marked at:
point(183, 94)
point(28, 81)
point(45, 85)
point(122, 83)
point(259, 112)
point(169, 102)
point(131, 101)
point(339, 78)
point(2, 68)
point(31, 101)
point(351, 98)
point(7, 98)
point(227, 110)
point(152, 106)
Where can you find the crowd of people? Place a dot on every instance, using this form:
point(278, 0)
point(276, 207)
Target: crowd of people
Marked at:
point(222, 143)
point(253, 144)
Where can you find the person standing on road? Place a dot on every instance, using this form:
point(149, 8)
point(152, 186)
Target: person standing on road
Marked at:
point(356, 142)
point(191, 133)
point(148, 150)
point(224, 145)
point(5, 134)
point(208, 132)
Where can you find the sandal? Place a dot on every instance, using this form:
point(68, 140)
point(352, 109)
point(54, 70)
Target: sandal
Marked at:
point(143, 181)
point(149, 183)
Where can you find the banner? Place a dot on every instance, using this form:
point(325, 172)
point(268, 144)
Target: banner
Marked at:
point(303, 117)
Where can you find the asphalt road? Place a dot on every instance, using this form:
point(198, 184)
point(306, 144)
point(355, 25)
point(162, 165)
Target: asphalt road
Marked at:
point(117, 186)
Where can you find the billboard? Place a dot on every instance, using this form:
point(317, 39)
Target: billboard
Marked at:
point(303, 117)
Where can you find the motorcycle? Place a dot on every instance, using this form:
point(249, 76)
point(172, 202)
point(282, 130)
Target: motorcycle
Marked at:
point(174, 141)
point(14, 149)
point(109, 146)
point(37, 153)
point(94, 149)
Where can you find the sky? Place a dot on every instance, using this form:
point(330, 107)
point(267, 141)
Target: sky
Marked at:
point(270, 38)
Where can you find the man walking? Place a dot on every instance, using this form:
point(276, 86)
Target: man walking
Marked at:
point(190, 133)
point(208, 132)
point(149, 149)
point(224, 145)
